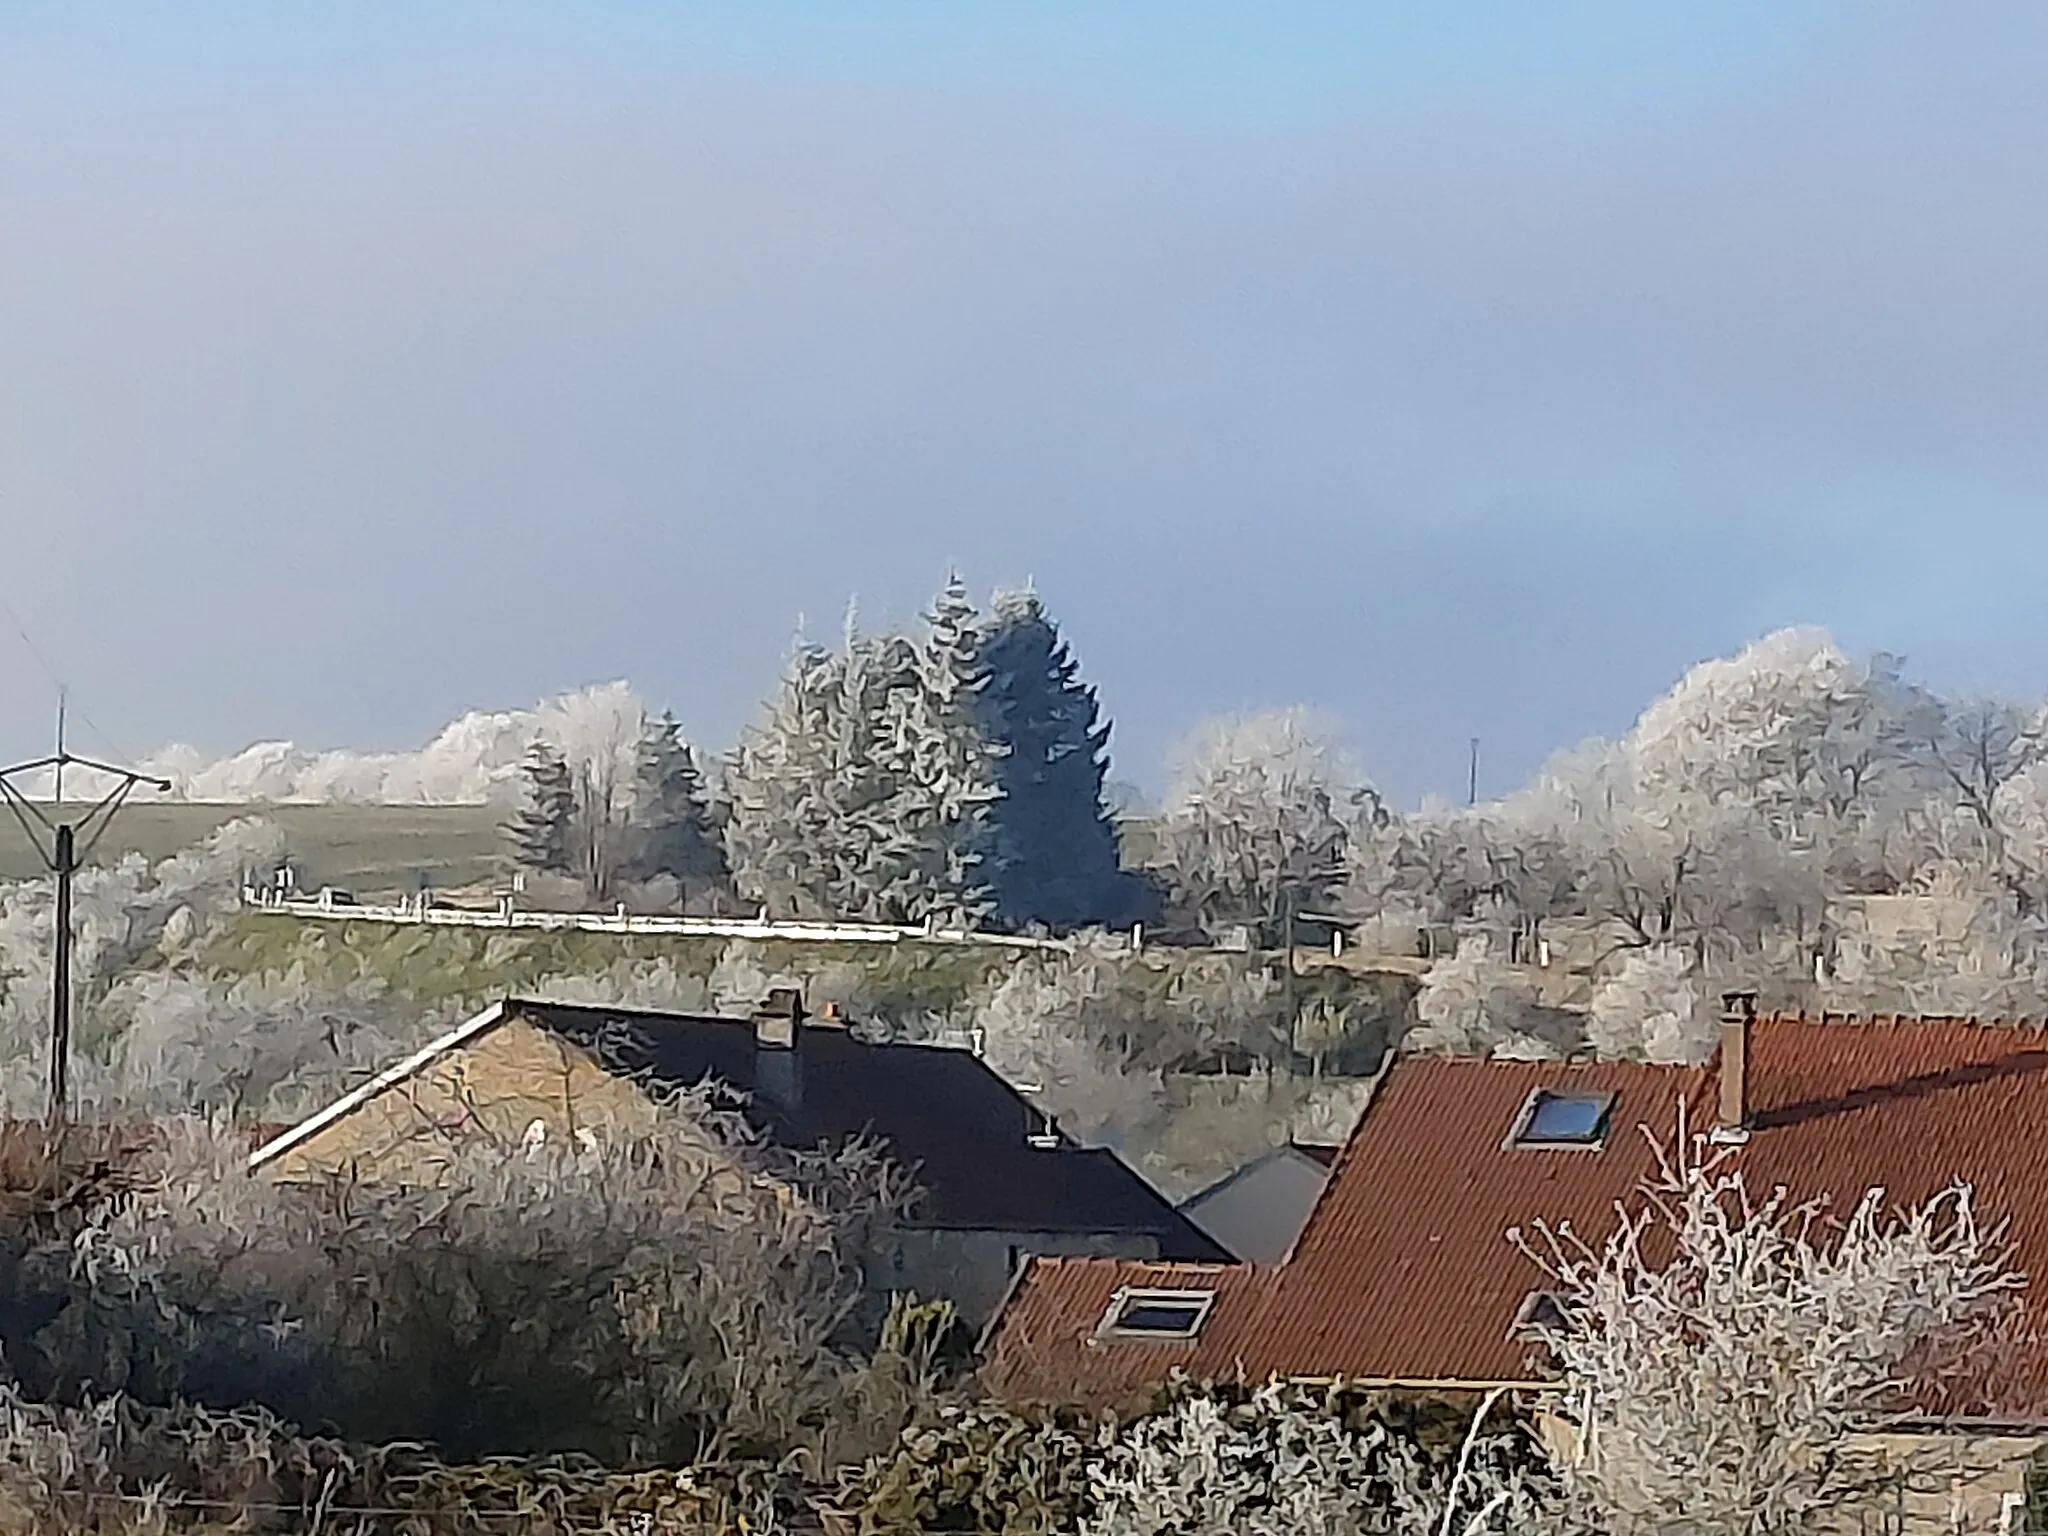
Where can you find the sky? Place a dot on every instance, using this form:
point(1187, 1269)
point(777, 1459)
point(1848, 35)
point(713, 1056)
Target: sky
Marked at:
point(1464, 371)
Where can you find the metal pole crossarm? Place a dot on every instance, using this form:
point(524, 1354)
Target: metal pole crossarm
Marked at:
point(62, 858)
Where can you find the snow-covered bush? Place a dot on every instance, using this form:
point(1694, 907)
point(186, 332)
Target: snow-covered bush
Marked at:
point(663, 1296)
point(1719, 1350)
point(1291, 1461)
point(1474, 1003)
point(1652, 1005)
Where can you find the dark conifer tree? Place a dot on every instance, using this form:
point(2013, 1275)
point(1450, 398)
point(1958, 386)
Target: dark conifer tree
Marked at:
point(541, 831)
point(673, 833)
point(1059, 864)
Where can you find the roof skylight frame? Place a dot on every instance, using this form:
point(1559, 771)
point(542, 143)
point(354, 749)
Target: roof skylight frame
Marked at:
point(1521, 1139)
point(1196, 1304)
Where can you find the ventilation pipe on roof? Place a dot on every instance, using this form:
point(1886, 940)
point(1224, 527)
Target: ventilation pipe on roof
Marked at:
point(778, 1061)
point(1738, 1014)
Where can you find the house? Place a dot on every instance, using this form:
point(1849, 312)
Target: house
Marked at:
point(999, 1182)
point(1404, 1276)
point(1256, 1213)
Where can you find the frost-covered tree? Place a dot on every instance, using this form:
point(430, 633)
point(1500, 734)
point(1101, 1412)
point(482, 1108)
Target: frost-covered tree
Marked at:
point(1261, 815)
point(783, 838)
point(1720, 1349)
point(575, 815)
point(1473, 1003)
point(673, 834)
point(1652, 1005)
point(1060, 862)
point(866, 790)
point(946, 764)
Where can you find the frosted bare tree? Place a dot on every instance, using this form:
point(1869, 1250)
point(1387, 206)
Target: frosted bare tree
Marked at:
point(1261, 813)
point(1720, 1350)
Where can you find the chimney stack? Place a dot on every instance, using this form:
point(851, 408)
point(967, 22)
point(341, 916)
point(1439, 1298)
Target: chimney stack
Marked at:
point(778, 1064)
point(1738, 1013)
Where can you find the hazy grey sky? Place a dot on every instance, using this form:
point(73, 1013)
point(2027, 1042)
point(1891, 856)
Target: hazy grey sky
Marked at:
point(1466, 375)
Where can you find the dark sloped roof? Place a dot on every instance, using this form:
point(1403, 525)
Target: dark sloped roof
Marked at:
point(943, 1113)
point(1405, 1274)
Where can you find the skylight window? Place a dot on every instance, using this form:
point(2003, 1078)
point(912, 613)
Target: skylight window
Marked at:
point(1563, 1119)
point(1165, 1315)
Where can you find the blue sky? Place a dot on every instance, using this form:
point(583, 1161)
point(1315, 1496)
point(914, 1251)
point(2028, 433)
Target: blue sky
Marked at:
point(1463, 370)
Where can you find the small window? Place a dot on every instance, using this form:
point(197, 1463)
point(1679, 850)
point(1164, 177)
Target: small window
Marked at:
point(1563, 1119)
point(1541, 1311)
point(1167, 1315)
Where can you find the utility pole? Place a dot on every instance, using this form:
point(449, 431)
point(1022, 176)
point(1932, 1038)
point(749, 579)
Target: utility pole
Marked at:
point(62, 843)
point(1472, 775)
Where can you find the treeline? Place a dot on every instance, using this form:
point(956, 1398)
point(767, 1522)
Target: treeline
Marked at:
point(953, 775)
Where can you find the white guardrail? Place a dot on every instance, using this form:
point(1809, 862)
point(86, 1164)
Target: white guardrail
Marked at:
point(506, 915)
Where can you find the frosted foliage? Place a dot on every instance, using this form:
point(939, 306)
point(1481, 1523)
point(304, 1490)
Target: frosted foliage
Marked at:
point(1474, 1003)
point(1287, 1463)
point(651, 1297)
point(1044, 1028)
point(863, 793)
point(263, 1046)
point(1660, 1357)
point(474, 759)
point(124, 916)
point(2020, 814)
point(1651, 1006)
point(1791, 727)
point(1262, 808)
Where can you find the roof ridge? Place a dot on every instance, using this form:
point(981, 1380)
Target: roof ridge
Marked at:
point(1834, 1018)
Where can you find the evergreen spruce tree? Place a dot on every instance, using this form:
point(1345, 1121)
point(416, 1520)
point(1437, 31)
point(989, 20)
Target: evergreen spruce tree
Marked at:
point(1060, 864)
point(952, 788)
point(782, 840)
point(671, 817)
point(542, 830)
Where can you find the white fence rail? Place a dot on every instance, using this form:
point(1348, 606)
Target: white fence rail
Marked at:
point(505, 915)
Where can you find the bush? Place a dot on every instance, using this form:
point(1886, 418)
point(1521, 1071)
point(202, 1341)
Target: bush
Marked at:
point(663, 1298)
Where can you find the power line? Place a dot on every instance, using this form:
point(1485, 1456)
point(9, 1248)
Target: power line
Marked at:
point(56, 677)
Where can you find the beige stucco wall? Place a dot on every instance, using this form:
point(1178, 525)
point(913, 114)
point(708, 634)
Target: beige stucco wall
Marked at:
point(1953, 1483)
point(1950, 1484)
point(491, 1090)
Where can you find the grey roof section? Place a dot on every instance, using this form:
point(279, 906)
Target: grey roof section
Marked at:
point(1258, 1212)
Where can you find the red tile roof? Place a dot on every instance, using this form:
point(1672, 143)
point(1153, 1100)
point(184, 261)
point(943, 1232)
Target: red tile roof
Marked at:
point(1405, 1273)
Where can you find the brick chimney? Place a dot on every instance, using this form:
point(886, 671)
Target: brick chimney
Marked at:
point(1738, 1014)
point(778, 1058)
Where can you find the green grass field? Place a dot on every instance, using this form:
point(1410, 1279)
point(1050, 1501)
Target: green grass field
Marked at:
point(368, 849)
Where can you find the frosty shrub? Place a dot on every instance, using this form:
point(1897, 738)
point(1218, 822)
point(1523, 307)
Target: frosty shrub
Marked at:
point(1474, 1004)
point(1651, 1005)
point(1055, 1027)
point(661, 1297)
point(270, 1048)
point(1290, 1461)
point(1720, 1349)
point(1261, 812)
